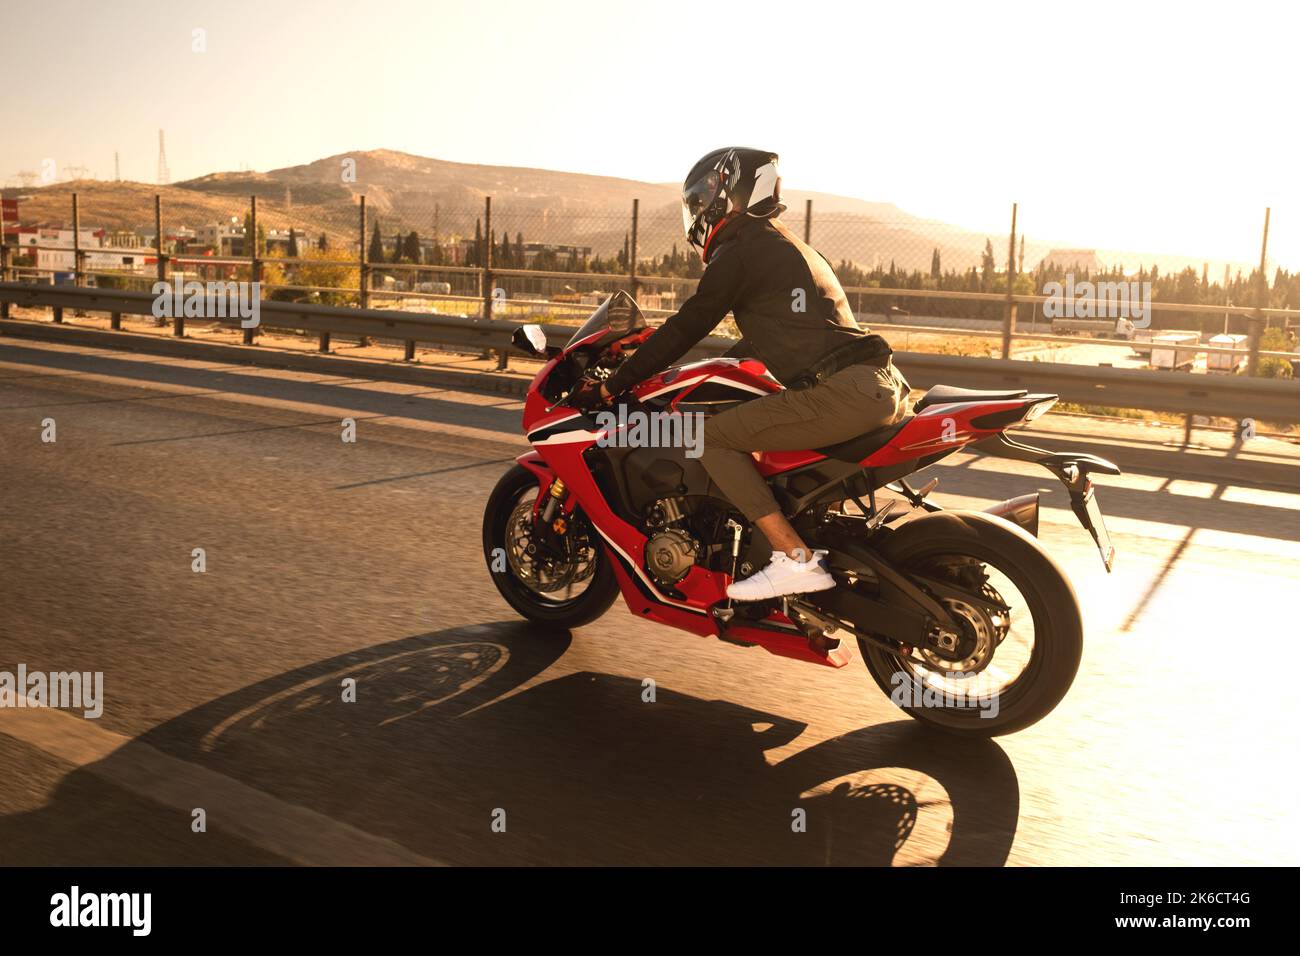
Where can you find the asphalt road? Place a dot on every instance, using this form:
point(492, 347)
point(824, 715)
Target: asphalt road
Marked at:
point(329, 561)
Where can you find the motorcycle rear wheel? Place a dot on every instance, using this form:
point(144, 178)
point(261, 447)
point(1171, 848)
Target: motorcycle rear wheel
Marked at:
point(1018, 564)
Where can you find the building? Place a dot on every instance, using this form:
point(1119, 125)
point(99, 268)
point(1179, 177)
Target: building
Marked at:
point(51, 248)
point(557, 255)
point(562, 254)
point(663, 301)
point(223, 238)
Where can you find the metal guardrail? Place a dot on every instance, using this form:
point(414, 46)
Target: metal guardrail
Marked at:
point(1234, 397)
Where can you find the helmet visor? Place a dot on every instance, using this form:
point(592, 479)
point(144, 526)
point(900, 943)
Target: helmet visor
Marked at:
point(699, 196)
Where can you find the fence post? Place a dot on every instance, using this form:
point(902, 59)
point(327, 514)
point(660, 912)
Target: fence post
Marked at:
point(1009, 318)
point(807, 222)
point(633, 285)
point(164, 261)
point(486, 280)
point(162, 256)
point(158, 238)
point(76, 242)
point(255, 263)
point(4, 260)
point(363, 292)
point(485, 261)
point(1255, 327)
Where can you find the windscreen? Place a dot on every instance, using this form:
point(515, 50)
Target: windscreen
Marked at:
point(618, 316)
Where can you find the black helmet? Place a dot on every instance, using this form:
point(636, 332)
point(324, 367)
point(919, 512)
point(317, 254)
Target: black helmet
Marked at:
point(726, 181)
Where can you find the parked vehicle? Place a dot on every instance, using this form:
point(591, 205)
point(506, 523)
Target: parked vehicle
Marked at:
point(1222, 363)
point(932, 597)
point(1143, 338)
point(1120, 328)
point(1175, 350)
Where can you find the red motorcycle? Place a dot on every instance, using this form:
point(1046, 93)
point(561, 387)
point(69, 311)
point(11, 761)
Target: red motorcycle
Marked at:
point(963, 618)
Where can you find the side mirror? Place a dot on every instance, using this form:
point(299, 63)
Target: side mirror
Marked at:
point(530, 339)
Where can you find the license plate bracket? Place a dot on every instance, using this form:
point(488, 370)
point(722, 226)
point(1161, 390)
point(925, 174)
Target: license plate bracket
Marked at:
point(1089, 514)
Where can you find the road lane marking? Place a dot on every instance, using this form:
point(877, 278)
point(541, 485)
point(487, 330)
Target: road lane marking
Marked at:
point(394, 391)
point(293, 832)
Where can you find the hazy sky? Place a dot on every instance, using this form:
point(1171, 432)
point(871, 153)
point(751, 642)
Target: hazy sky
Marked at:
point(1167, 127)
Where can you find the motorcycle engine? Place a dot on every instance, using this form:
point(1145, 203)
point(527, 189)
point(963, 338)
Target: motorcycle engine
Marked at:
point(670, 551)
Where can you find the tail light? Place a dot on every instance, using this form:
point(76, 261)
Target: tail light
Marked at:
point(1039, 407)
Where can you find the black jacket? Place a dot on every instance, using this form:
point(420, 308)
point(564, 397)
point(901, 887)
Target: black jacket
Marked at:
point(788, 305)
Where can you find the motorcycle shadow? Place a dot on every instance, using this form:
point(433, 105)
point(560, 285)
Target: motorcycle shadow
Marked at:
point(451, 732)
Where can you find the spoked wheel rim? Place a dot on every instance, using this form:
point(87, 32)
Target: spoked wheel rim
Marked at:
point(548, 581)
point(996, 655)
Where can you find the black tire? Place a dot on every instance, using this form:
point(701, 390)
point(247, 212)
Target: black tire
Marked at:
point(594, 601)
point(1058, 626)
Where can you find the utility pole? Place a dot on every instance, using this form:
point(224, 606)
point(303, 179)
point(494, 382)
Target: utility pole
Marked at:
point(164, 174)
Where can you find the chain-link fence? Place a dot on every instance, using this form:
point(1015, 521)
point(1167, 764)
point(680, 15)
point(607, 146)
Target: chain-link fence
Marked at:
point(926, 284)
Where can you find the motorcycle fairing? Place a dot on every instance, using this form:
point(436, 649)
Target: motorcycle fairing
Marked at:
point(566, 440)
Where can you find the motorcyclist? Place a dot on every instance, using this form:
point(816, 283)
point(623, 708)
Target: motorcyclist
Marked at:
point(793, 316)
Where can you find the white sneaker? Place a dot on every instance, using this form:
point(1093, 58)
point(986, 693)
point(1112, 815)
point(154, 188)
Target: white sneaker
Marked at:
point(783, 575)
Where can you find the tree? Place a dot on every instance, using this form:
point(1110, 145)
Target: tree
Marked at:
point(322, 243)
point(411, 247)
point(332, 269)
point(988, 265)
point(474, 257)
point(376, 253)
point(935, 271)
point(293, 244)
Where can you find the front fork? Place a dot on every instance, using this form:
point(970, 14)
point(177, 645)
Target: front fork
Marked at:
point(551, 520)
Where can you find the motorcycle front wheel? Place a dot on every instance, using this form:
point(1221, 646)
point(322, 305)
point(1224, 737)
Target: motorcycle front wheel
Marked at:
point(567, 592)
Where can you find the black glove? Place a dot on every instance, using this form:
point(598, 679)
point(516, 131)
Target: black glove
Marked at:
point(586, 396)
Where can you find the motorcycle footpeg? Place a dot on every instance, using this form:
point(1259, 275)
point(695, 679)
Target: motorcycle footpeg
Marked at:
point(724, 614)
point(816, 627)
point(822, 644)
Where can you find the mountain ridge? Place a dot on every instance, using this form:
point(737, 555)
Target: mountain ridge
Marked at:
point(406, 192)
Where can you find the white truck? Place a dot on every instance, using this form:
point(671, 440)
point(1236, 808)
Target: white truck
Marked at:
point(1175, 350)
point(1120, 328)
point(1142, 338)
point(1224, 363)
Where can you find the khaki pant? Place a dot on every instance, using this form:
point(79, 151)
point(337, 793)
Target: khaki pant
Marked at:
point(854, 400)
